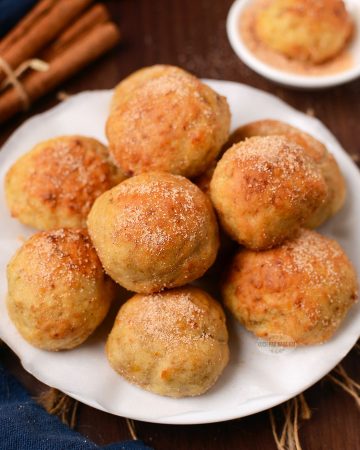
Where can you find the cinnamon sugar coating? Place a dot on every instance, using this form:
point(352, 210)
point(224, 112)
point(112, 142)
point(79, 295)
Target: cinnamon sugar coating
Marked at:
point(264, 189)
point(174, 343)
point(154, 231)
point(58, 292)
point(316, 150)
point(299, 292)
point(163, 118)
point(312, 31)
point(55, 184)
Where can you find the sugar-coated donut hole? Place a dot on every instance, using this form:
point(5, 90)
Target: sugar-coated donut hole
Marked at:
point(300, 291)
point(58, 292)
point(264, 189)
point(173, 343)
point(164, 118)
point(154, 231)
point(304, 30)
point(55, 184)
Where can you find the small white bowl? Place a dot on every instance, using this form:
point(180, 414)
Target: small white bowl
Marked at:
point(288, 78)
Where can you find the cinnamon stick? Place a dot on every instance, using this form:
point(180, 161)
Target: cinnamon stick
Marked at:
point(25, 24)
point(43, 31)
point(83, 51)
point(96, 15)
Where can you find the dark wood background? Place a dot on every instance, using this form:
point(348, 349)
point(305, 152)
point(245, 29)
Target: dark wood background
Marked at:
point(191, 34)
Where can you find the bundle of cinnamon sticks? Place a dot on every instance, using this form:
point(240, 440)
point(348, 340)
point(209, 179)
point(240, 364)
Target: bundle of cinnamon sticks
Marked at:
point(64, 36)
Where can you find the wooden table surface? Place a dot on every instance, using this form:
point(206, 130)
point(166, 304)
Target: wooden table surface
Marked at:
point(191, 34)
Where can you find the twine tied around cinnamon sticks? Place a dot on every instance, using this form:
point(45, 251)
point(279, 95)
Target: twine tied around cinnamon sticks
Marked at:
point(13, 77)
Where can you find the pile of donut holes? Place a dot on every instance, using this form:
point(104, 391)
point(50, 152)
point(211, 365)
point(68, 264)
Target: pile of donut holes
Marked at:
point(154, 212)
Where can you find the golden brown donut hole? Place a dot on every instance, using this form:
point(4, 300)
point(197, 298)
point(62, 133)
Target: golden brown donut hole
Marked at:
point(174, 343)
point(55, 184)
point(154, 231)
point(299, 292)
point(264, 189)
point(311, 31)
point(58, 292)
point(163, 118)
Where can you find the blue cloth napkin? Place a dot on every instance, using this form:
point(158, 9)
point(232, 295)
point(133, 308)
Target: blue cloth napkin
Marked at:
point(24, 425)
point(11, 11)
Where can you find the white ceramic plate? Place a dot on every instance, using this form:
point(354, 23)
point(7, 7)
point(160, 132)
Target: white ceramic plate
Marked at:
point(254, 380)
point(287, 78)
